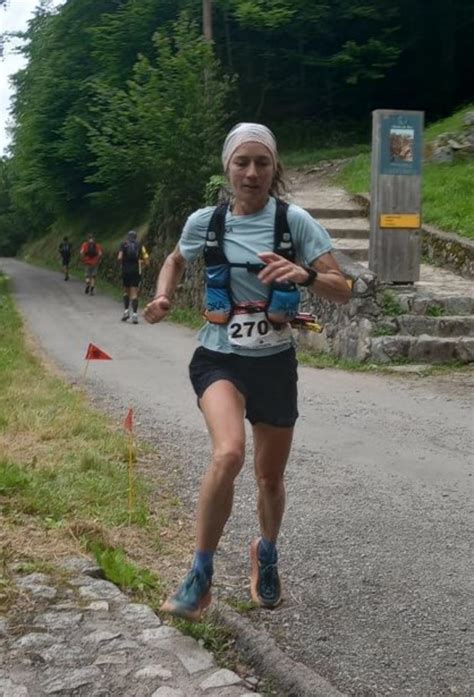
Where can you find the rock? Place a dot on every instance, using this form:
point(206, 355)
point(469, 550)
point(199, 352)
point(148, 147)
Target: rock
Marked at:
point(191, 655)
point(71, 680)
point(101, 636)
point(360, 287)
point(464, 351)
point(140, 614)
point(98, 606)
point(442, 154)
point(468, 119)
point(221, 678)
point(58, 620)
point(159, 633)
point(9, 689)
point(36, 640)
point(82, 565)
point(101, 590)
point(119, 658)
point(154, 671)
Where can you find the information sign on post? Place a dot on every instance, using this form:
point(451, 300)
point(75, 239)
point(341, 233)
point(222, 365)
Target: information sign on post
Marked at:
point(395, 205)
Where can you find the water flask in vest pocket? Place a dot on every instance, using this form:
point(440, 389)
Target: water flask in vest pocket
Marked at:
point(218, 300)
point(283, 304)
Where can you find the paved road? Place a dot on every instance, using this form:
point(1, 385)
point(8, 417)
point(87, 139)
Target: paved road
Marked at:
point(376, 551)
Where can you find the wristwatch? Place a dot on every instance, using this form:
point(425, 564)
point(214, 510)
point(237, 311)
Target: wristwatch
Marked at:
point(312, 276)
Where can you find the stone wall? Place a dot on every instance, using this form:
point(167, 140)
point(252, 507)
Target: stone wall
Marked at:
point(452, 147)
point(347, 329)
point(438, 247)
point(448, 250)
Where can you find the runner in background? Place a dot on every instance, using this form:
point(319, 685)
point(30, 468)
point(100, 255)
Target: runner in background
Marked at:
point(132, 257)
point(256, 250)
point(65, 254)
point(91, 255)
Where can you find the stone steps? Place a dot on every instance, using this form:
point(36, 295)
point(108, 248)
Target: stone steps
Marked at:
point(430, 321)
point(355, 249)
point(422, 349)
point(427, 305)
point(347, 228)
point(335, 213)
point(442, 327)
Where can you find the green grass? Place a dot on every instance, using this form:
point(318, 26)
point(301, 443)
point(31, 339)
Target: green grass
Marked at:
point(187, 316)
point(324, 360)
point(447, 189)
point(61, 460)
point(391, 304)
point(435, 311)
point(119, 570)
point(450, 124)
point(241, 606)
point(448, 197)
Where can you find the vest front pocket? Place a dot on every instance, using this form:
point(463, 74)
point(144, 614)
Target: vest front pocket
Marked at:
point(284, 303)
point(218, 299)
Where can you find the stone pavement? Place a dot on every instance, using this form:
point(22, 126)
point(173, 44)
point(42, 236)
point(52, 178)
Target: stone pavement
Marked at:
point(84, 637)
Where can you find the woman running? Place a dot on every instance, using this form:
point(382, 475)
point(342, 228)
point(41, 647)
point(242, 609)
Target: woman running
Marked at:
point(257, 251)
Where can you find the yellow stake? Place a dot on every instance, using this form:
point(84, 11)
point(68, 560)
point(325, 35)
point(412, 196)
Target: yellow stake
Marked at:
point(131, 480)
point(85, 371)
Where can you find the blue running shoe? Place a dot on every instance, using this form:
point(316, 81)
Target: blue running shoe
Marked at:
point(264, 580)
point(192, 598)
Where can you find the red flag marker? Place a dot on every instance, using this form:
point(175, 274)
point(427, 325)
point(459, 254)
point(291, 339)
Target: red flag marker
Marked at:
point(94, 353)
point(128, 423)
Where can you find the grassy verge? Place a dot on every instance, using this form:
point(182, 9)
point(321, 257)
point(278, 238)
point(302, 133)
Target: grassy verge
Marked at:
point(64, 490)
point(448, 202)
point(325, 360)
point(63, 467)
point(186, 316)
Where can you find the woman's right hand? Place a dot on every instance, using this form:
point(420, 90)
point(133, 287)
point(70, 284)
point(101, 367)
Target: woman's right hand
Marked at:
point(157, 309)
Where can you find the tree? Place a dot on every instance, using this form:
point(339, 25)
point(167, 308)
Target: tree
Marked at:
point(207, 19)
point(163, 132)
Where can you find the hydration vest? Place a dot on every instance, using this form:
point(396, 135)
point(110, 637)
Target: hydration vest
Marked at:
point(91, 250)
point(131, 252)
point(283, 301)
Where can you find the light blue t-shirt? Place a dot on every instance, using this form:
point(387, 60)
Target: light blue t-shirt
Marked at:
point(246, 236)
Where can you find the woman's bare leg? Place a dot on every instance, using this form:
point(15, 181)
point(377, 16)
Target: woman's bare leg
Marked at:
point(272, 448)
point(223, 409)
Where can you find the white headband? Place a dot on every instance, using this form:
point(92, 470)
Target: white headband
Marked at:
point(248, 133)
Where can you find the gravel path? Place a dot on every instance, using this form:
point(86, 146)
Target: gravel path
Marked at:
point(376, 554)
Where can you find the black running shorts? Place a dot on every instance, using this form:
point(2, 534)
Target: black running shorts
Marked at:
point(131, 279)
point(268, 383)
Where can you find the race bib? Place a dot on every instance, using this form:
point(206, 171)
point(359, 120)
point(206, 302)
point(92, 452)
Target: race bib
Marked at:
point(252, 330)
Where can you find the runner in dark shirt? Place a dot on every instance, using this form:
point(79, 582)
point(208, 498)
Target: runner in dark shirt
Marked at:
point(65, 254)
point(132, 256)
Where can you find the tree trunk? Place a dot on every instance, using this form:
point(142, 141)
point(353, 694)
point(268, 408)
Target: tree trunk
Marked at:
point(207, 19)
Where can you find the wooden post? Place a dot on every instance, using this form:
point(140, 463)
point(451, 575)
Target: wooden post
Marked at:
point(395, 199)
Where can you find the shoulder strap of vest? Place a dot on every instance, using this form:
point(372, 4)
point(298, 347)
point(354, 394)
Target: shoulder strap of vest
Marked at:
point(214, 244)
point(283, 242)
point(216, 228)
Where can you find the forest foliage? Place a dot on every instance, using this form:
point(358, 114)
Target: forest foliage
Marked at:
point(122, 106)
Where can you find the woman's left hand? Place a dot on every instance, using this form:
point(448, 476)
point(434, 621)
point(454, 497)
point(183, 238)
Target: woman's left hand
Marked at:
point(280, 270)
